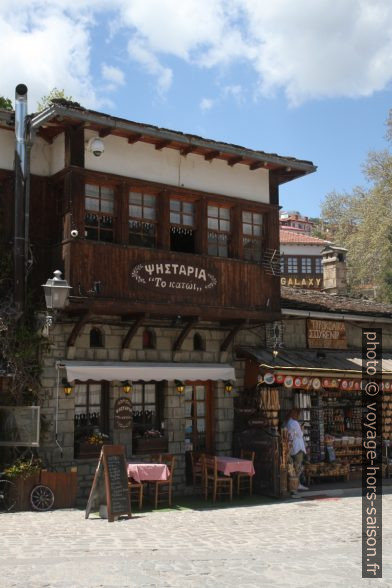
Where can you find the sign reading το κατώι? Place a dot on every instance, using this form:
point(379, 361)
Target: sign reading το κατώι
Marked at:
point(326, 334)
point(175, 277)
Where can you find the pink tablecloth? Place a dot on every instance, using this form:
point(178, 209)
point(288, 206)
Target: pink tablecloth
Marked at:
point(231, 465)
point(148, 472)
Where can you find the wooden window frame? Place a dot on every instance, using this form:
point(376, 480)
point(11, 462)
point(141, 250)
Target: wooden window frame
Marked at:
point(99, 214)
point(306, 260)
point(294, 258)
point(103, 424)
point(256, 252)
point(158, 404)
point(218, 232)
point(143, 220)
point(181, 226)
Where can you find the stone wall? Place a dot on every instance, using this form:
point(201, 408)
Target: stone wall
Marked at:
point(54, 402)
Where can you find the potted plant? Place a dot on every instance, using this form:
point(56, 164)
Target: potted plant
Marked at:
point(90, 445)
point(25, 474)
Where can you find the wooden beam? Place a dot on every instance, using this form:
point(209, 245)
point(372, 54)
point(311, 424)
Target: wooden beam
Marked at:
point(186, 150)
point(211, 155)
point(257, 165)
point(105, 132)
point(233, 160)
point(161, 144)
point(230, 336)
point(134, 138)
point(45, 136)
point(83, 319)
point(132, 331)
point(184, 333)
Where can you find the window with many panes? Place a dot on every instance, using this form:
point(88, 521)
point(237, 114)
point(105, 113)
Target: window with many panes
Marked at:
point(182, 226)
point(99, 210)
point(146, 408)
point(306, 265)
point(252, 235)
point(281, 264)
point(91, 418)
point(142, 219)
point(218, 231)
point(292, 265)
point(318, 266)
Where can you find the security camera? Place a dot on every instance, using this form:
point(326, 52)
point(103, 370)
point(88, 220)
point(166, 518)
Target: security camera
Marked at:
point(74, 233)
point(95, 146)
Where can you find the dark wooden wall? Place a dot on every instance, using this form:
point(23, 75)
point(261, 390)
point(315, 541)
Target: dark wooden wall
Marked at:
point(244, 289)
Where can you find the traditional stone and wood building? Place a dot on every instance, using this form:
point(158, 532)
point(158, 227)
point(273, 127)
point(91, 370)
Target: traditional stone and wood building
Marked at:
point(170, 244)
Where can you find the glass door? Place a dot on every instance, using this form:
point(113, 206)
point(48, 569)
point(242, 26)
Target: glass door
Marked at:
point(198, 421)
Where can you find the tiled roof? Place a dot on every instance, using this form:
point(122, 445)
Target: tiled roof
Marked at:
point(290, 235)
point(301, 299)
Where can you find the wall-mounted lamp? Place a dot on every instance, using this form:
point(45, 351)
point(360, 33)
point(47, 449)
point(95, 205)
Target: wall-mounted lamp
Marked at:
point(127, 387)
point(56, 295)
point(180, 386)
point(228, 386)
point(67, 386)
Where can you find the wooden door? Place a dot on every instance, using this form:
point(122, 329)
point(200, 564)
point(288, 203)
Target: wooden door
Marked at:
point(199, 435)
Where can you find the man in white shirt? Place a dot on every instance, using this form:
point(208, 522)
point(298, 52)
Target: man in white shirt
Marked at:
point(298, 448)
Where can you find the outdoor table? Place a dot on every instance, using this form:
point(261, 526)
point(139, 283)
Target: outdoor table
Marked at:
point(148, 472)
point(235, 465)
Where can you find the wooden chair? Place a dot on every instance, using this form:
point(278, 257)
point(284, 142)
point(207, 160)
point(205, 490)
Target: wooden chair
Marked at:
point(197, 468)
point(244, 482)
point(163, 488)
point(135, 492)
point(217, 484)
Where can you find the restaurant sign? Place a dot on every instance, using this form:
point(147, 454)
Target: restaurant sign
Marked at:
point(123, 413)
point(173, 276)
point(326, 334)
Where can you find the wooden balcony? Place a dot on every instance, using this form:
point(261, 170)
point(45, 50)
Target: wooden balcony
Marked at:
point(118, 280)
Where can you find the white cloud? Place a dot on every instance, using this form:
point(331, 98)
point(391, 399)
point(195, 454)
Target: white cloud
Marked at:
point(44, 49)
point(113, 74)
point(140, 53)
point(308, 49)
point(206, 104)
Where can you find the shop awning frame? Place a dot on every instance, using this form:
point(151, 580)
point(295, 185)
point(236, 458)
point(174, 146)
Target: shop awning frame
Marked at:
point(324, 363)
point(156, 372)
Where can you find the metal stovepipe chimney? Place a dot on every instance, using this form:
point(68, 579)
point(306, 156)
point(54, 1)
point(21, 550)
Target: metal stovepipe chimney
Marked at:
point(20, 185)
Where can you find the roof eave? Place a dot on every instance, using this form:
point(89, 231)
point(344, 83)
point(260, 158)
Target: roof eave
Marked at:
point(294, 168)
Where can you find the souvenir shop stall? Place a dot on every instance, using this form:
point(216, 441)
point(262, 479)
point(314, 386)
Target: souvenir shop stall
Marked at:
point(331, 420)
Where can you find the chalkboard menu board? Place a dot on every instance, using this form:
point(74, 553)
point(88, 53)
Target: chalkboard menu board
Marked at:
point(112, 470)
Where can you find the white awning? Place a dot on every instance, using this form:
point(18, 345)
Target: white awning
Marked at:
point(116, 370)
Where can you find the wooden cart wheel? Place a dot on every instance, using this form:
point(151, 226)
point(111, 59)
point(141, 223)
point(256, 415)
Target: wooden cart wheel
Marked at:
point(41, 498)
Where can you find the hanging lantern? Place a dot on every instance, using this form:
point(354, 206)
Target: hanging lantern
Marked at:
point(180, 386)
point(67, 386)
point(127, 387)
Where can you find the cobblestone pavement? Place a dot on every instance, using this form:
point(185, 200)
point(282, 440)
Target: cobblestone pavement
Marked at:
point(307, 543)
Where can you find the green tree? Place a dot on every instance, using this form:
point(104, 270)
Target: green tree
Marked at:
point(5, 103)
point(46, 100)
point(361, 222)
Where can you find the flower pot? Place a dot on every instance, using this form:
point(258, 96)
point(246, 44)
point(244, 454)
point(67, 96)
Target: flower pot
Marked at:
point(153, 445)
point(87, 451)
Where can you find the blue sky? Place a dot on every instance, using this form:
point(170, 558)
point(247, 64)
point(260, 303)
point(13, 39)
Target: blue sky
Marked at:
point(307, 79)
